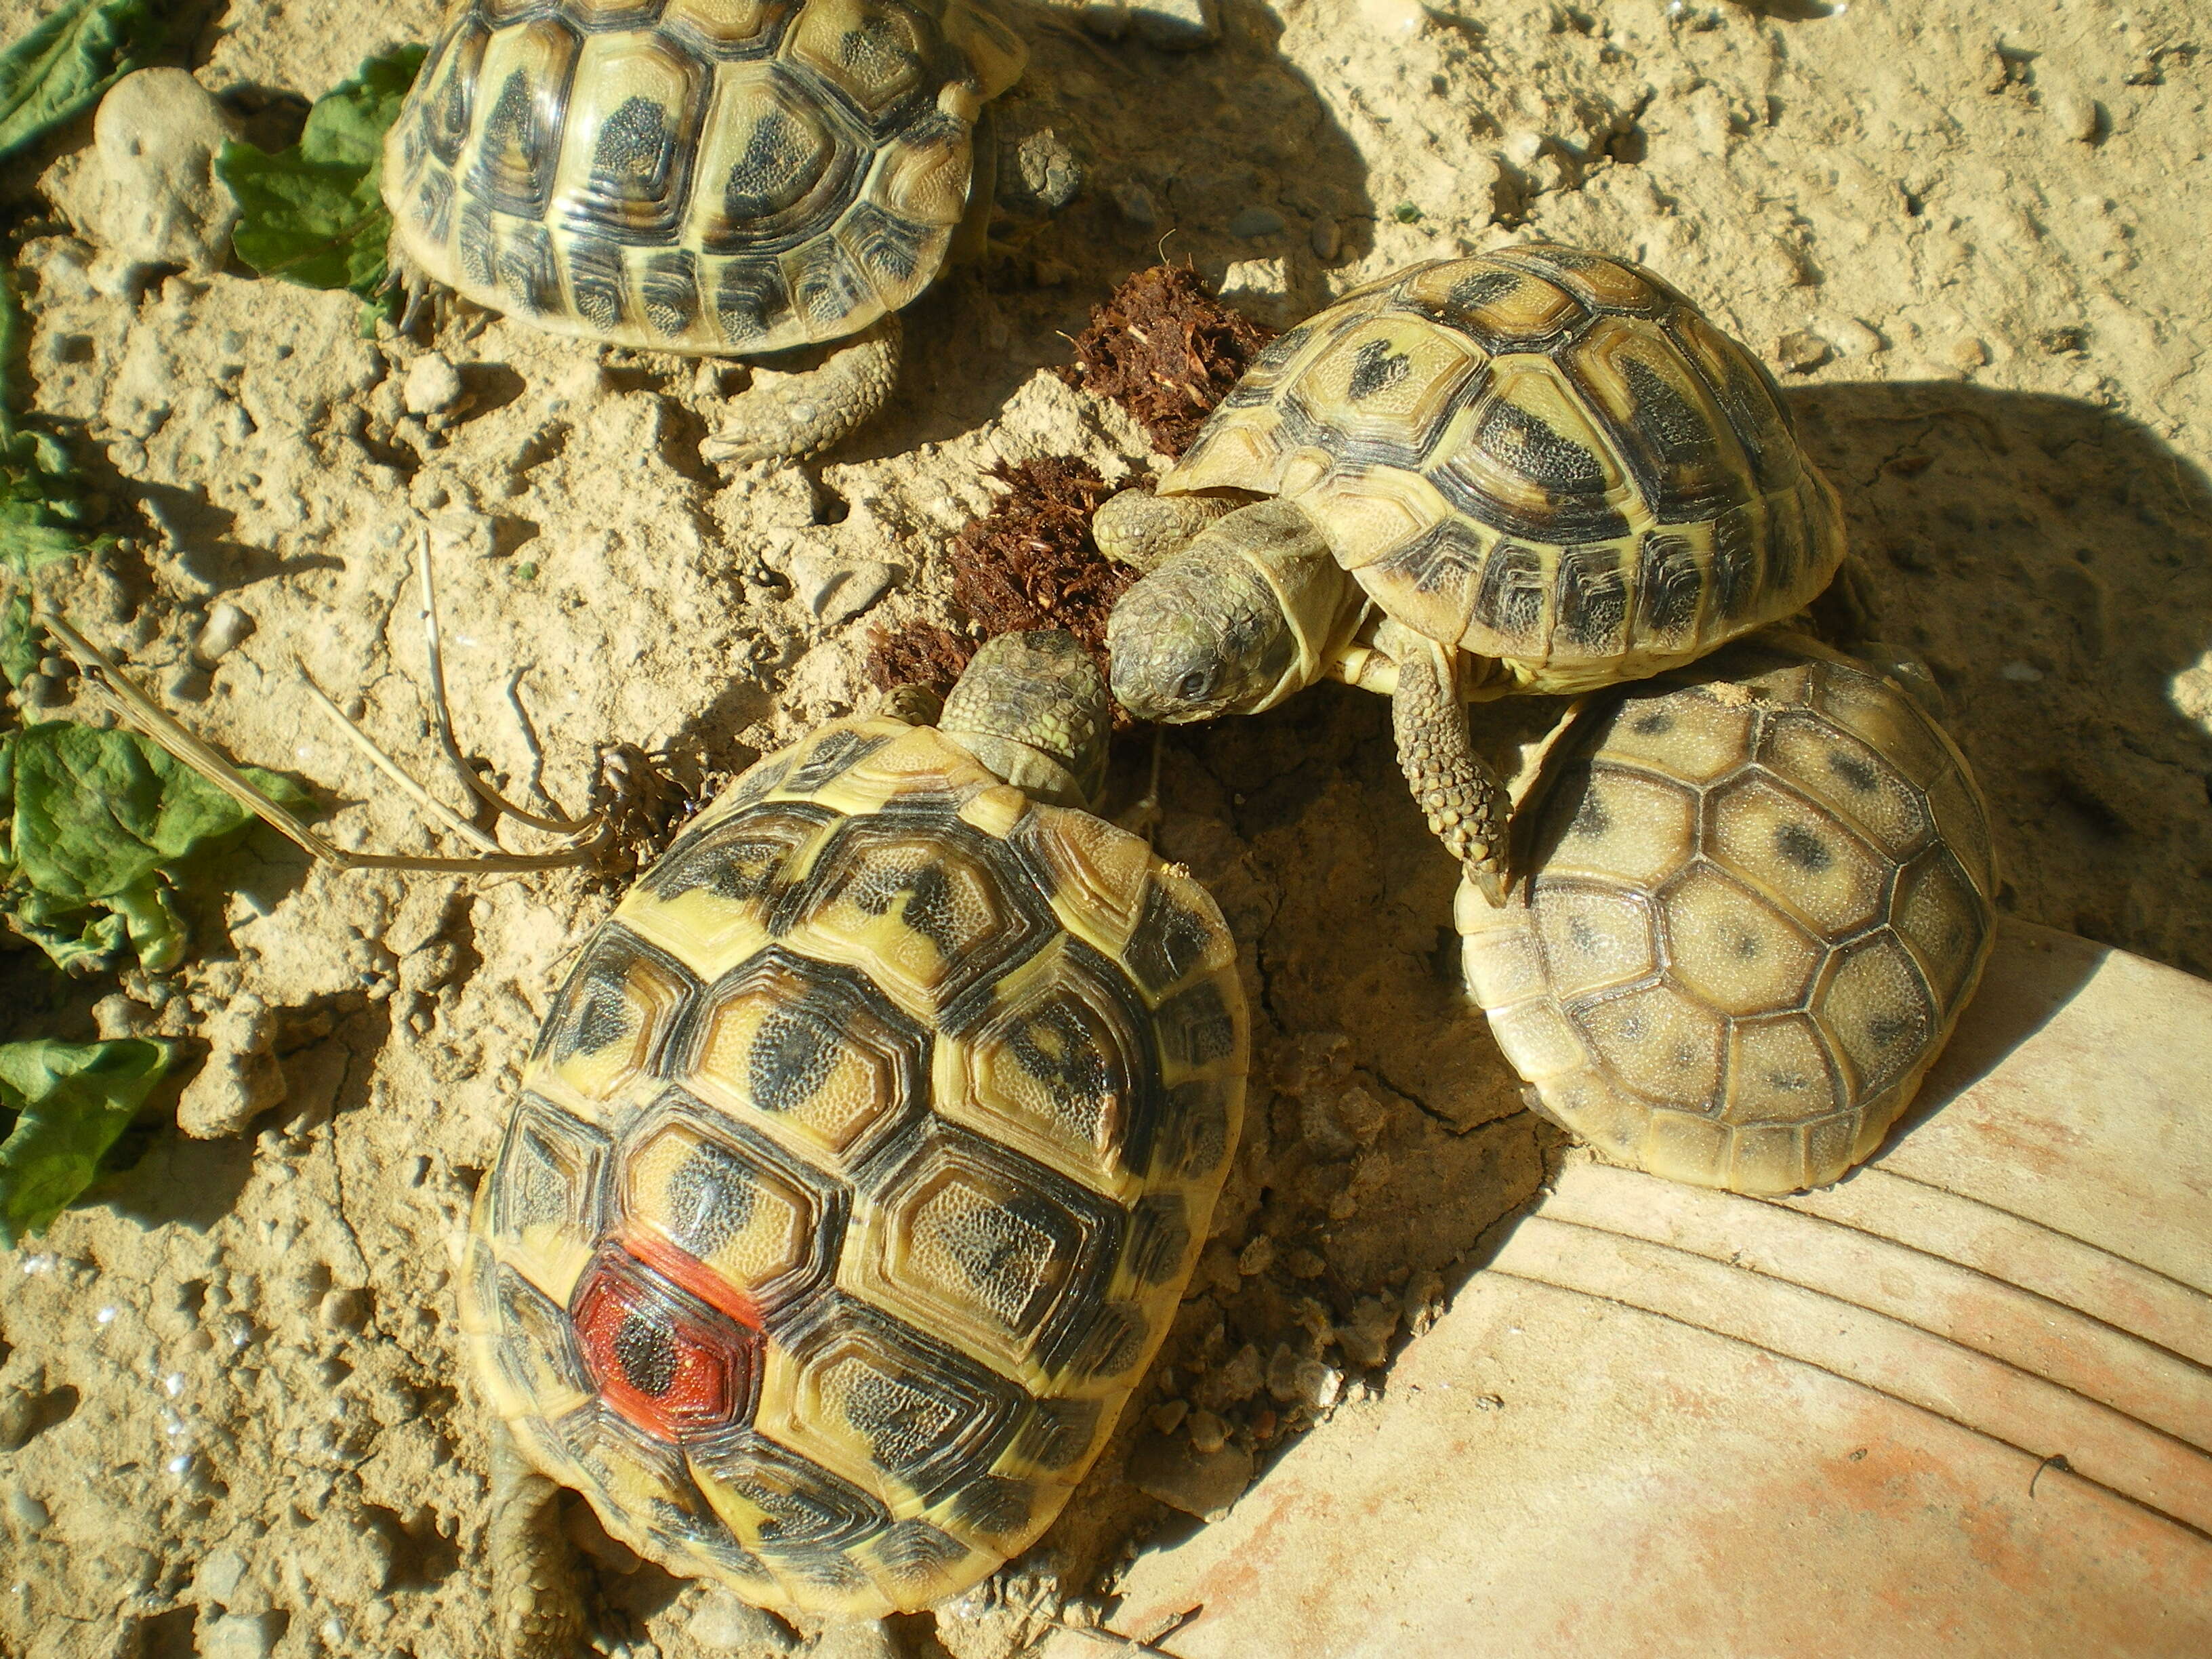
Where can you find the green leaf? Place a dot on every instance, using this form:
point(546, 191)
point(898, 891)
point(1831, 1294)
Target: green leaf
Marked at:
point(58, 71)
point(19, 641)
point(42, 516)
point(314, 214)
point(98, 821)
point(70, 1102)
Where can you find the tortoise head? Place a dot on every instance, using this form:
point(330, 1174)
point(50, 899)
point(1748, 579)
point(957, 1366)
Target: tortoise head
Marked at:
point(1204, 634)
point(1033, 708)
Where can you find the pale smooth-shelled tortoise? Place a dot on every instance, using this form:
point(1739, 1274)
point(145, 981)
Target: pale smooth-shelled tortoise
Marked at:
point(1540, 470)
point(724, 177)
point(859, 1168)
point(1757, 896)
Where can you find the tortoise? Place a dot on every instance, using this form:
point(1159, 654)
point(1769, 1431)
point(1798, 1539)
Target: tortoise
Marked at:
point(1760, 896)
point(724, 177)
point(859, 1167)
point(1540, 470)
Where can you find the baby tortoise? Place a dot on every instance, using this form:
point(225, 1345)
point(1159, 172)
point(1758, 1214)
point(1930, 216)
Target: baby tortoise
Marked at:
point(725, 177)
point(1761, 897)
point(1536, 471)
point(859, 1168)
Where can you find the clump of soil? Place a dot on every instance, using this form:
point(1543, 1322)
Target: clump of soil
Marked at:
point(1028, 563)
point(1167, 351)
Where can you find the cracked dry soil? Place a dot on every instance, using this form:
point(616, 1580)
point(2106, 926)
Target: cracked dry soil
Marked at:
point(232, 1421)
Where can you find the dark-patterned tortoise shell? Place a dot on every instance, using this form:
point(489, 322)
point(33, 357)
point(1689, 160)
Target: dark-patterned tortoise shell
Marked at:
point(857, 1174)
point(1544, 456)
point(723, 177)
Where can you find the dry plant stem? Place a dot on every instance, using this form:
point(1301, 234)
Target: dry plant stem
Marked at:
point(559, 824)
point(187, 747)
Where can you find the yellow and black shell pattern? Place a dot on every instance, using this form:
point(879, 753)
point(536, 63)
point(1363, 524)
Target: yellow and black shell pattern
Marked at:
point(857, 1174)
point(1544, 456)
point(723, 177)
point(1762, 895)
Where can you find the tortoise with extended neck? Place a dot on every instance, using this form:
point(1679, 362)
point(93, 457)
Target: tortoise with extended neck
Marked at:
point(1536, 471)
point(724, 177)
point(859, 1168)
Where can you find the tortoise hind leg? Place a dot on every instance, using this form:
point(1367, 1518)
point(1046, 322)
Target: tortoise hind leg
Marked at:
point(1462, 796)
point(790, 414)
point(538, 1603)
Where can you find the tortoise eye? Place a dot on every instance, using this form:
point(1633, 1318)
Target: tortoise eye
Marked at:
point(1194, 685)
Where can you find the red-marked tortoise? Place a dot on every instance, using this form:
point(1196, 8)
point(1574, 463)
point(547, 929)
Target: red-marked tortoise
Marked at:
point(859, 1168)
point(1760, 896)
point(730, 178)
point(1537, 470)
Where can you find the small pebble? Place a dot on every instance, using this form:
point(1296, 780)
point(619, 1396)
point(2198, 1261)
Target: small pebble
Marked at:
point(1397, 20)
point(1802, 352)
point(1177, 25)
point(1852, 338)
point(2020, 673)
point(432, 386)
point(1181, 1475)
point(27, 1509)
point(1208, 1433)
point(1257, 1256)
point(1318, 1383)
point(1968, 354)
point(1256, 221)
point(835, 590)
point(2079, 118)
point(1137, 206)
point(219, 635)
point(1107, 20)
point(1168, 1417)
point(723, 1624)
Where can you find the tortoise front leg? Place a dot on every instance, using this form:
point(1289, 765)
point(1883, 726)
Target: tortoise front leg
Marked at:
point(790, 414)
point(539, 1609)
point(1463, 796)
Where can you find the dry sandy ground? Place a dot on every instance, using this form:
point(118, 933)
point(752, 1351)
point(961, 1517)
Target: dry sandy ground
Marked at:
point(1969, 239)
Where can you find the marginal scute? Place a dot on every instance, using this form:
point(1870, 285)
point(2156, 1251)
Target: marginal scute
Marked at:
point(615, 1014)
point(891, 1408)
point(1593, 936)
point(1663, 1043)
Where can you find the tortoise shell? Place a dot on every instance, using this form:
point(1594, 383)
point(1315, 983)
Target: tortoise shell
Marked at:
point(1543, 456)
point(1761, 897)
point(722, 177)
point(857, 1174)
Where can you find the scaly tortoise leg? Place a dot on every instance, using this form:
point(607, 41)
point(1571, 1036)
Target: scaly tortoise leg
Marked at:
point(789, 414)
point(1143, 531)
point(539, 1609)
point(1463, 799)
